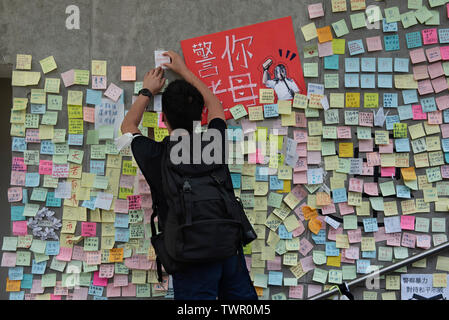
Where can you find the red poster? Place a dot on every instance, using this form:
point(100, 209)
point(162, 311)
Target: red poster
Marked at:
point(235, 64)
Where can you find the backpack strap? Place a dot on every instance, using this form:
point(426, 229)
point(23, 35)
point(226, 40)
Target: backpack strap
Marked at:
point(188, 207)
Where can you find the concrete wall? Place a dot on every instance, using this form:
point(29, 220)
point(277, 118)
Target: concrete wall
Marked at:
point(127, 32)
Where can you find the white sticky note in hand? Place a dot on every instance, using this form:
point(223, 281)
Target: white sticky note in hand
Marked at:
point(160, 59)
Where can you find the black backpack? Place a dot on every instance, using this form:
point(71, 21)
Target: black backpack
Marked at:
point(205, 222)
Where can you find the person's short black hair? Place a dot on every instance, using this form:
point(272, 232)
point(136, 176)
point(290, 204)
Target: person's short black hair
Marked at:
point(182, 104)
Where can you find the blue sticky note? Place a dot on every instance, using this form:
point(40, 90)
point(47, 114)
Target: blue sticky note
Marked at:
point(75, 139)
point(352, 64)
point(100, 298)
point(389, 27)
point(368, 64)
point(405, 112)
point(121, 235)
point(414, 40)
point(367, 81)
point(410, 96)
point(403, 191)
point(93, 97)
point(369, 254)
point(52, 248)
point(17, 213)
point(275, 278)
point(401, 64)
point(121, 220)
point(390, 100)
point(236, 180)
point(339, 195)
point(47, 147)
point(352, 80)
point(446, 157)
point(391, 120)
point(95, 290)
point(27, 281)
point(262, 174)
point(370, 225)
point(15, 273)
point(331, 249)
point(446, 116)
point(18, 144)
point(428, 104)
point(385, 81)
point(270, 111)
point(24, 196)
point(52, 202)
point(356, 47)
point(320, 237)
point(89, 204)
point(38, 108)
point(283, 233)
point(276, 184)
point(392, 42)
point(97, 167)
point(392, 224)
point(443, 35)
point(331, 62)
point(363, 266)
point(32, 179)
point(402, 145)
point(385, 64)
point(17, 296)
point(38, 268)
point(445, 144)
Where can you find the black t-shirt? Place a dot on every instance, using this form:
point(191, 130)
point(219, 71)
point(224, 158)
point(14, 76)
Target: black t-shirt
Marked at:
point(148, 155)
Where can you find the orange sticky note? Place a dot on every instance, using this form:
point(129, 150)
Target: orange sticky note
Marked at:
point(129, 73)
point(408, 174)
point(324, 34)
point(322, 199)
point(116, 255)
point(12, 285)
point(259, 291)
point(315, 225)
point(309, 212)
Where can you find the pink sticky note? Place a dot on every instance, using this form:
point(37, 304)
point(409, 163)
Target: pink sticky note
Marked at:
point(345, 208)
point(442, 102)
point(307, 263)
point(344, 132)
point(380, 235)
point(433, 54)
point(328, 209)
point(299, 231)
point(296, 292)
point(374, 44)
point(408, 240)
point(113, 92)
point(19, 228)
point(55, 297)
point(435, 117)
point(420, 72)
point(301, 120)
point(352, 252)
point(314, 157)
point(445, 172)
point(444, 51)
point(37, 287)
point(300, 177)
point(408, 222)
point(15, 194)
point(300, 136)
point(435, 70)
point(18, 164)
point(367, 170)
point(9, 259)
point(313, 289)
point(366, 145)
point(78, 253)
point(332, 234)
point(65, 254)
point(248, 126)
point(301, 149)
point(112, 291)
point(425, 87)
point(305, 246)
point(325, 49)
point(423, 241)
point(128, 73)
point(274, 264)
point(356, 185)
point(18, 178)
point(121, 206)
point(88, 229)
point(129, 290)
point(89, 114)
point(68, 78)
point(45, 167)
point(394, 239)
point(355, 236)
point(430, 36)
point(80, 293)
point(134, 202)
point(387, 172)
point(418, 114)
point(417, 55)
point(371, 188)
point(102, 282)
point(386, 148)
point(343, 258)
point(445, 130)
point(439, 84)
point(316, 10)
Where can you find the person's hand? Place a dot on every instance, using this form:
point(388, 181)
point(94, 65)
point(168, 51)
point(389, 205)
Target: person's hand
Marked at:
point(177, 63)
point(154, 80)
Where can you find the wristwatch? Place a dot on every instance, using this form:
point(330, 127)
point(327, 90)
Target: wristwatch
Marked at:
point(146, 92)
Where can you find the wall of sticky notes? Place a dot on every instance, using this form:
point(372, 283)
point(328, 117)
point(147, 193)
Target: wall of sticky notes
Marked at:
point(359, 180)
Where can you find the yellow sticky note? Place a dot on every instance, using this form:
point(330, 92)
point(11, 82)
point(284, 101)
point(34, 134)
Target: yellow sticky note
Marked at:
point(309, 31)
point(76, 126)
point(346, 150)
point(23, 62)
point(150, 120)
point(82, 77)
point(339, 46)
point(255, 113)
point(48, 64)
point(75, 98)
point(284, 107)
point(352, 100)
point(337, 100)
point(334, 261)
point(339, 6)
point(38, 96)
point(416, 131)
point(266, 96)
point(99, 67)
point(371, 100)
point(439, 280)
point(20, 103)
point(288, 120)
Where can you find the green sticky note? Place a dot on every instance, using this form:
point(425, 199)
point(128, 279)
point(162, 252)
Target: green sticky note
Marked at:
point(39, 194)
point(408, 19)
point(82, 77)
point(85, 279)
point(75, 98)
point(59, 159)
point(377, 203)
point(9, 244)
point(438, 224)
point(52, 85)
point(101, 182)
point(57, 265)
point(75, 156)
point(30, 209)
point(320, 275)
point(349, 272)
point(436, 3)
point(387, 188)
point(111, 148)
point(400, 252)
point(48, 64)
point(344, 165)
point(319, 257)
point(38, 246)
point(363, 133)
point(143, 290)
point(385, 254)
point(340, 28)
point(50, 118)
point(335, 276)
point(106, 132)
point(392, 14)
point(91, 244)
point(422, 224)
point(59, 135)
point(98, 152)
point(275, 199)
point(414, 4)
point(435, 20)
point(93, 137)
point(238, 111)
point(423, 14)
point(54, 102)
point(310, 70)
point(138, 85)
point(358, 20)
point(328, 148)
point(349, 222)
point(23, 258)
point(261, 280)
point(40, 257)
point(89, 268)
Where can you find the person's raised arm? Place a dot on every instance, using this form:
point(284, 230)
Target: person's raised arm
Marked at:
point(154, 82)
point(210, 100)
